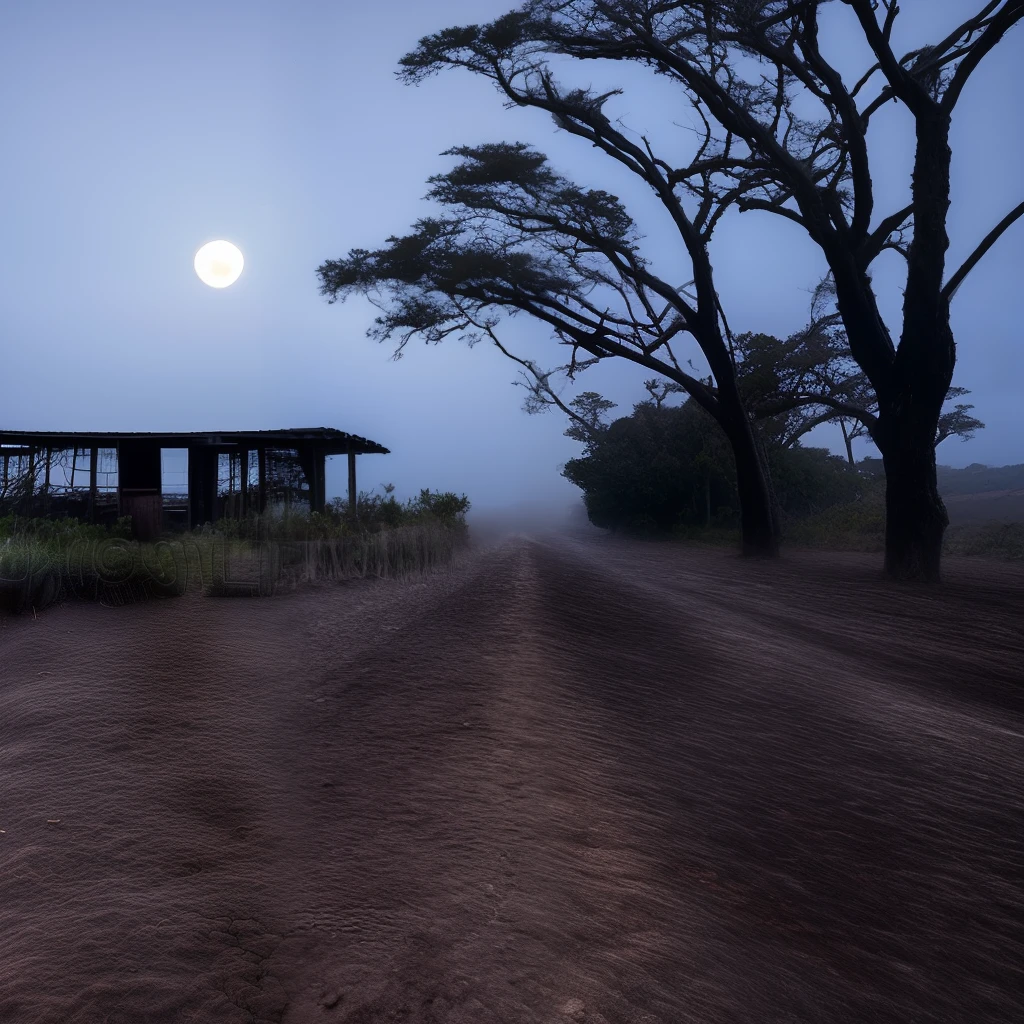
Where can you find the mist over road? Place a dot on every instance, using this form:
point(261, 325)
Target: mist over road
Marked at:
point(574, 779)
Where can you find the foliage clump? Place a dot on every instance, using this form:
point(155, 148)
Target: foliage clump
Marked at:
point(669, 467)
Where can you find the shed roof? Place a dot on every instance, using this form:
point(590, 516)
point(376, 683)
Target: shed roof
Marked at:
point(327, 439)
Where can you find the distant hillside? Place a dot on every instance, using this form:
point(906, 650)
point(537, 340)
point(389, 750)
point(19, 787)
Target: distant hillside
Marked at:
point(979, 479)
point(978, 494)
point(975, 494)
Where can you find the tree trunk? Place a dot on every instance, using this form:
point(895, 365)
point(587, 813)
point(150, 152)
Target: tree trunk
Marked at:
point(909, 409)
point(848, 440)
point(707, 501)
point(759, 523)
point(915, 516)
point(774, 508)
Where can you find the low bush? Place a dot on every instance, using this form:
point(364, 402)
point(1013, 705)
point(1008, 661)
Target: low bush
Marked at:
point(857, 525)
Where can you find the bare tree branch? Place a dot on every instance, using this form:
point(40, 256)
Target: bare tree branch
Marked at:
point(1007, 17)
point(951, 286)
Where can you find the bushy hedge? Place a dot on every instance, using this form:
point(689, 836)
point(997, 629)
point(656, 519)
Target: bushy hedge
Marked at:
point(669, 469)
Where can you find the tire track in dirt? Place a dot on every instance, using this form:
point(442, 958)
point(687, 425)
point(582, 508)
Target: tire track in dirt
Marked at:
point(567, 781)
point(880, 829)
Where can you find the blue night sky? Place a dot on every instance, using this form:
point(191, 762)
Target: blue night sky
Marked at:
point(133, 133)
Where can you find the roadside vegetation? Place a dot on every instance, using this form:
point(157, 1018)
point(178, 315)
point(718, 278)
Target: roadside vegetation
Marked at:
point(776, 131)
point(665, 471)
point(46, 561)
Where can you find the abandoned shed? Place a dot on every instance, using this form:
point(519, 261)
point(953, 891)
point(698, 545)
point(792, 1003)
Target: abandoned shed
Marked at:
point(98, 477)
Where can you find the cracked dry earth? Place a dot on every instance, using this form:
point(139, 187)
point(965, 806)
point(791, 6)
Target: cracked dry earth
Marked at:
point(572, 780)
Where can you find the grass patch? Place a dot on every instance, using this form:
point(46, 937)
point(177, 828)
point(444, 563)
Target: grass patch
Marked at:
point(44, 562)
point(850, 526)
point(860, 526)
point(987, 540)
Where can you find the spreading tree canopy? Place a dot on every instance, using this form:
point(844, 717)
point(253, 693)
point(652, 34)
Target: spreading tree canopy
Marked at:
point(517, 237)
point(783, 133)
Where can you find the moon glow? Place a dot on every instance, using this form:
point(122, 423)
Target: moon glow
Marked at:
point(219, 264)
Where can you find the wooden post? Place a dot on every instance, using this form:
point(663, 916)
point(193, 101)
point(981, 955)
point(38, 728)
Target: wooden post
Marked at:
point(243, 473)
point(94, 458)
point(320, 460)
point(30, 497)
point(140, 486)
point(202, 485)
point(211, 478)
point(46, 480)
point(261, 456)
point(352, 494)
point(313, 462)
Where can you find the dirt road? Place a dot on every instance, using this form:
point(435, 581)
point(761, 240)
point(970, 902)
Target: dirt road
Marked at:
point(573, 780)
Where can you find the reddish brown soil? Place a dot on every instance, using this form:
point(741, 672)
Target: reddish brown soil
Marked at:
point(573, 780)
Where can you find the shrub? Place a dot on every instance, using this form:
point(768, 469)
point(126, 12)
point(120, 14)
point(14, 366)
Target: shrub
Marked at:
point(667, 468)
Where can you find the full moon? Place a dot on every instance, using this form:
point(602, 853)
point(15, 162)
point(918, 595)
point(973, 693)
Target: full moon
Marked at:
point(219, 264)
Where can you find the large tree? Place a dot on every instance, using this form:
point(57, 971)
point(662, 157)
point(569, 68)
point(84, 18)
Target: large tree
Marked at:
point(518, 237)
point(787, 135)
point(515, 236)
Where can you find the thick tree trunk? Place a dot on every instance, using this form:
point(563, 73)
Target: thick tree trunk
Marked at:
point(912, 380)
point(909, 408)
point(774, 509)
point(915, 516)
point(759, 523)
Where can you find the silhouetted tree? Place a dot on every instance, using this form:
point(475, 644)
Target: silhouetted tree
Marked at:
point(957, 422)
point(589, 423)
point(753, 70)
point(516, 236)
point(655, 469)
point(814, 379)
